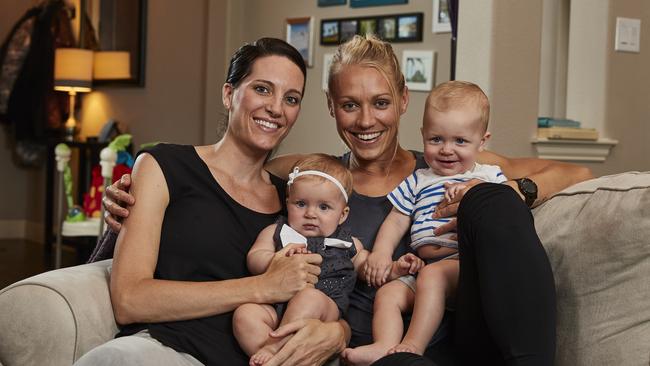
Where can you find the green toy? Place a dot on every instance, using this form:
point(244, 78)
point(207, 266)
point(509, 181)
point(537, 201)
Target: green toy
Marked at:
point(120, 143)
point(75, 213)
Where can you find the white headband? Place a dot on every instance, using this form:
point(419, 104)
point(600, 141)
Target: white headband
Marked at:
point(297, 173)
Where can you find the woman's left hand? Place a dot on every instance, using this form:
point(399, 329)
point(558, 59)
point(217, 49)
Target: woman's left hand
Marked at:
point(313, 342)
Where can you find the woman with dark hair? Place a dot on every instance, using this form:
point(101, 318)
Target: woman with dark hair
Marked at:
point(180, 258)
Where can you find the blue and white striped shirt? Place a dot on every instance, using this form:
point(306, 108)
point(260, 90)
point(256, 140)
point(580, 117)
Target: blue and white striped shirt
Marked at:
point(419, 195)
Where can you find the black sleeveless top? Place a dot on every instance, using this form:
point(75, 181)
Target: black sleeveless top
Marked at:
point(205, 236)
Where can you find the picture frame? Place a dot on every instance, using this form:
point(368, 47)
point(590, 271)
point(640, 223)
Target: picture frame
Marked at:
point(367, 26)
point(409, 27)
point(323, 3)
point(327, 61)
point(417, 67)
point(392, 28)
point(441, 22)
point(329, 32)
point(387, 28)
point(131, 35)
point(349, 27)
point(300, 35)
point(366, 3)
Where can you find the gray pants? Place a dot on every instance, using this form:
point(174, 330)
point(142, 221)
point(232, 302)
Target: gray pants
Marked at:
point(139, 349)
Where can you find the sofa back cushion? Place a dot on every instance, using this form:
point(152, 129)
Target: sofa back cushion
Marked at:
point(597, 236)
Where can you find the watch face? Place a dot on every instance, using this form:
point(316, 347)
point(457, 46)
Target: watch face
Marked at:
point(529, 186)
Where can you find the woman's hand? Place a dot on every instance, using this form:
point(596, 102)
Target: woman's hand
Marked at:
point(377, 268)
point(115, 201)
point(313, 342)
point(285, 276)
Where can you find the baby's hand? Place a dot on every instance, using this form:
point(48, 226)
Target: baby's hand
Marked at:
point(297, 250)
point(409, 263)
point(377, 268)
point(452, 191)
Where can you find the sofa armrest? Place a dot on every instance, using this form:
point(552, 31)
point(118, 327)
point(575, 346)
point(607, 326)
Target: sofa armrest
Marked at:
point(597, 237)
point(55, 317)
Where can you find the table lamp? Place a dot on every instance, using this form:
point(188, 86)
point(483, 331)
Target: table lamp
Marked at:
point(73, 71)
point(111, 65)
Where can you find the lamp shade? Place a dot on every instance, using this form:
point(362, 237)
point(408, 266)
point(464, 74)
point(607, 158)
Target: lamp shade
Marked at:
point(111, 65)
point(73, 69)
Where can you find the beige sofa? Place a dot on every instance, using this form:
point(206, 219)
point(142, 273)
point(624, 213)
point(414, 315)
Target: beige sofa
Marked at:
point(597, 235)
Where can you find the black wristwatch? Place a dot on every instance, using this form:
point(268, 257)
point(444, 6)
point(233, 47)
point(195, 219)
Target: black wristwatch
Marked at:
point(529, 189)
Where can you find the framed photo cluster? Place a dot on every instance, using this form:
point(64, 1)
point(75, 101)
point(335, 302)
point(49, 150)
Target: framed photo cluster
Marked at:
point(391, 28)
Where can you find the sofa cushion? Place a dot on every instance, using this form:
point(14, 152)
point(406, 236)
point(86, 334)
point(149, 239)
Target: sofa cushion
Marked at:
point(597, 236)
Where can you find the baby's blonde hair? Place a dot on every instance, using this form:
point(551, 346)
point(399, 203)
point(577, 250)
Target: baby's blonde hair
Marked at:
point(456, 94)
point(326, 164)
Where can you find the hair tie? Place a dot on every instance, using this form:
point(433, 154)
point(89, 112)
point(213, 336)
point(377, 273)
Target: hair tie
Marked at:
point(297, 173)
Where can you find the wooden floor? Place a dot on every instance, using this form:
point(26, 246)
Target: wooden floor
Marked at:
point(20, 259)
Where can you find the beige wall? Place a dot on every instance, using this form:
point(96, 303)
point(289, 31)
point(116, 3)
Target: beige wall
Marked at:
point(627, 112)
point(511, 30)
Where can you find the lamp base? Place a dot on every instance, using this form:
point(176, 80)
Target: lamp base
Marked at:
point(71, 133)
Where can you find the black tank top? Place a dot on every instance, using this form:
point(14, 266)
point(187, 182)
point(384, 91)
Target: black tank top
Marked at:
point(205, 236)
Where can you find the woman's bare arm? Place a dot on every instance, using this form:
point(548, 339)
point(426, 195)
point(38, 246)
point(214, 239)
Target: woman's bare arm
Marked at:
point(138, 297)
point(549, 175)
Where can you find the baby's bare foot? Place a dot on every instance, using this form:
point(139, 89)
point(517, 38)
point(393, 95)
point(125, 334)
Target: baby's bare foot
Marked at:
point(364, 355)
point(261, 356)
point(405, 347)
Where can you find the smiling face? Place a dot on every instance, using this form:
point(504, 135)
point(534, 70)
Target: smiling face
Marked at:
point(315, 206)
point(366, 111)
point(452, 139)
point(265, 105)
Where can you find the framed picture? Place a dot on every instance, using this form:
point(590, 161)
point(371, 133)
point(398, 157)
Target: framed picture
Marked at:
point(367, 26)
point(409, 27)
point(327, 61)
point(348, 29)
point(299, 35)
point(441, 21)
point(387, 28)
point(417, 67)
point(364, 3)
point(329, 32)
point(322, 3)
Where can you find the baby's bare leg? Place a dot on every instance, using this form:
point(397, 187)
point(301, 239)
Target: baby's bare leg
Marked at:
point(436, 282)
point(309, 303)
point(392, 300)
point(252, 324)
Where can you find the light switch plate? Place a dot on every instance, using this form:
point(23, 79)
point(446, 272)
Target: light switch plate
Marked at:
point(628, 32)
